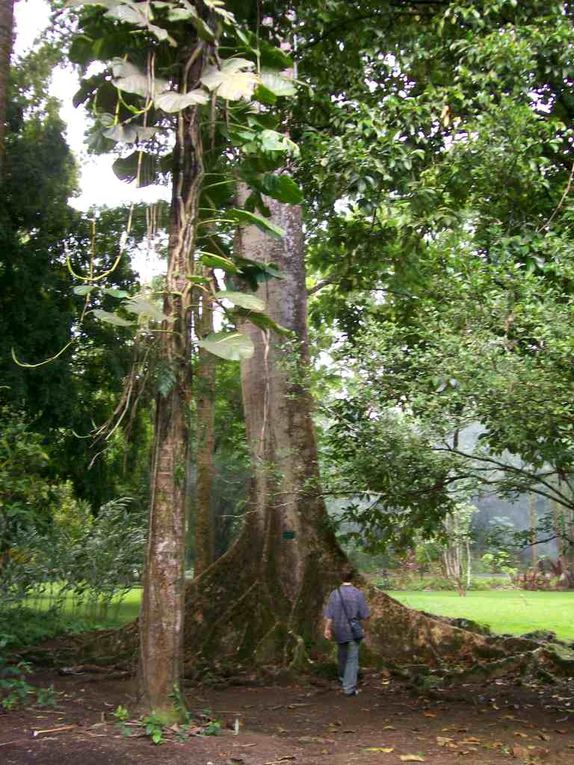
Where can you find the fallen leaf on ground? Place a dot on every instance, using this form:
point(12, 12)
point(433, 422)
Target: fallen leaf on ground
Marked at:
point(315, 740)
point(382, 749)
point(520, 735)
point(520, 752)
point(429, 714)
point(493, 745)
point(411, 758)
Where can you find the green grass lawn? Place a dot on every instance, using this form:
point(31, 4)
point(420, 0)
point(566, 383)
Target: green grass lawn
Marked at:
point(37, 619)
point(513, 611)
point(118, 612)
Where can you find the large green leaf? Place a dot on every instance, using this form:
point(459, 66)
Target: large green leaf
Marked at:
point(143, 307)
point(115, 292)
point(84, 289)
point(255, 273)
point(111, 318)
point(244, 217)
point(138, 166)
point(243, 300)
point(263, 321)
point(268, 55)
point(121, 133)
point(131, 79)
point(271, 140)
point(131, 13)
point(277, 84)
point(218, 261)
point(233, 81)
point(189, 13)
point(170, 101)
point(280, 187)
point(283, 188)
point(128, 133)
point(232, 346)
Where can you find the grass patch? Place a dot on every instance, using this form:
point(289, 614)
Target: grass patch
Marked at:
point(40, 618)
point(504, 611)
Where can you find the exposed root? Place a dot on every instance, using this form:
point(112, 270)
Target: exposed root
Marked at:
point(237, 621)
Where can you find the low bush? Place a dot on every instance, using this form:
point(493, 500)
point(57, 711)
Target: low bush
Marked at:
point(437, 583)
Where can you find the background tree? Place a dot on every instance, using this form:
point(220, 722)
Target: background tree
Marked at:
point(6, 35)
point(40, 245)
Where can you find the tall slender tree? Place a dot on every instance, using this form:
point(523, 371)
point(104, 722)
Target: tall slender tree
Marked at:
point(161, 623)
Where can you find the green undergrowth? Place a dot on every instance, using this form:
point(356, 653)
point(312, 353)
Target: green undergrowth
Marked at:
point(416, 583)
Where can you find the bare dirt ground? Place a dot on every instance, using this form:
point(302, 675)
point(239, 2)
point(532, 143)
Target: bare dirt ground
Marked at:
point(307, 724)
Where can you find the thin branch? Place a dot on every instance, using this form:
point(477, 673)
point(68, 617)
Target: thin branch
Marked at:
point(320, 284)
point(560, 203)
point(538, 478)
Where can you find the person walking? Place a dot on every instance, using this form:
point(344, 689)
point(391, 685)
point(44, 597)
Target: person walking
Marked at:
point(345, 613)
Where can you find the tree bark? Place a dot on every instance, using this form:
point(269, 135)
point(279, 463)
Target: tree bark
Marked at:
point(161, 622)
point(205, 427)
point(6, 41)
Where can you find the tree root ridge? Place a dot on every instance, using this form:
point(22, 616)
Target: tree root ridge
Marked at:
point(114, 647)
point(435, 651)
point(239, 622)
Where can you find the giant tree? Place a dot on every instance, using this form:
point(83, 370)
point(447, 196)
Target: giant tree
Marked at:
point(172, 66)
point(286, 558)
point(6, 35)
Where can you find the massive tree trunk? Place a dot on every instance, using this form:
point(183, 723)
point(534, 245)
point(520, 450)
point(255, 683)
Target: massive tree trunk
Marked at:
point(161, 622)
point(262, 599)
point(6, 39)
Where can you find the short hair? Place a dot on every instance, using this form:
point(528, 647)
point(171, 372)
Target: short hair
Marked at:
point(348, 573)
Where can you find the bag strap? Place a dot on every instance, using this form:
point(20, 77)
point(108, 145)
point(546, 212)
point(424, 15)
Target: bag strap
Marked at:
point(343, 604)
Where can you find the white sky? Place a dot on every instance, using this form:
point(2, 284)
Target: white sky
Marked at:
point(98, 184)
